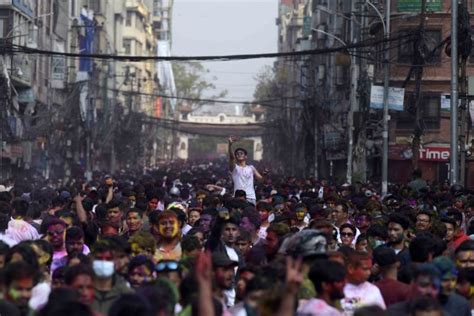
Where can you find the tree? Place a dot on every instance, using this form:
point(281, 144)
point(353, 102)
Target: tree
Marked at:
point(191, 83)
point(283, 136)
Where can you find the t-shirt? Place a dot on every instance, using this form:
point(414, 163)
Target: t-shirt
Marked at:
point(262, 232)
point(230, 294)
point(393, 291)
point(243, 180)
point(317, 307)
point(357, 296)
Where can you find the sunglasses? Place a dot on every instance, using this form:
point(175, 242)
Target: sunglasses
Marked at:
point(347, 234)
point(167, 266)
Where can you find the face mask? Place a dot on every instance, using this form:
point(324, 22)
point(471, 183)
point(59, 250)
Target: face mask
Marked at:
point(103, 268)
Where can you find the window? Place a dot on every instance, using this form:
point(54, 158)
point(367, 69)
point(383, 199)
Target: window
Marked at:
point(128, 19)
point(432, 40)
point(407, 44)
point(431, 108)
point(3, 27)
point(430, 112)
point(127, 46)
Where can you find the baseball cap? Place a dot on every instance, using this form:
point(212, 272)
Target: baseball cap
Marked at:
point(384, 256)
point(220, 259)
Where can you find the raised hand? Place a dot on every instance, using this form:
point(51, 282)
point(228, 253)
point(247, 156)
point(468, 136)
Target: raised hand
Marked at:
point(294, 274)
point(233, 139)
point(204, 269)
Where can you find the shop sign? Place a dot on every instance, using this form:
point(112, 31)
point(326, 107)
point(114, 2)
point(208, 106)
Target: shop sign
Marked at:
point(434, 154)
point(427, 153)
point(415, 5)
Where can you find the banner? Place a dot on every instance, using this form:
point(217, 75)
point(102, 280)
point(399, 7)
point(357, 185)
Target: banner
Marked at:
point(396, 98)
point(86, 42)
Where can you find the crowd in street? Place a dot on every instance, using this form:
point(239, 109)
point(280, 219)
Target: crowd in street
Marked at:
point(228, 238)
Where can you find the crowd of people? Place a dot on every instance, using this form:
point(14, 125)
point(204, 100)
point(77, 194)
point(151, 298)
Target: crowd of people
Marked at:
point(223, 238)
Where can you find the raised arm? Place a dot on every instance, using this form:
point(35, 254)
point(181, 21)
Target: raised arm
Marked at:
point(258, 176)
point(232, 139)
point(81, 212)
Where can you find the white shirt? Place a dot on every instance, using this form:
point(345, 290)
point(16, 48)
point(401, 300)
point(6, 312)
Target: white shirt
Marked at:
point(357, 296)
point(243, 180)
point(186, 229)
point(230, 294)
point(317, 307)
point(39, 295)
point(262, 232)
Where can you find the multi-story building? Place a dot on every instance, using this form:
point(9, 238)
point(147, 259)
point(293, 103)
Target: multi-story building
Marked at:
point(17, 27)
point(292, 25)
point(340, 86)
point(434, 115)
point(75, 111)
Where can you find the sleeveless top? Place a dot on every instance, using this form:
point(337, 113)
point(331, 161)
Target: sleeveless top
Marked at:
point(243, 180)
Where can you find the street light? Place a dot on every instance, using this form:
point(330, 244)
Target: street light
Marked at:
point(330, 35)
point(453, 159)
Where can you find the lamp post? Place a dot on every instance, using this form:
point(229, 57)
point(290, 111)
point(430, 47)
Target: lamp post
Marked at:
point(453, 159)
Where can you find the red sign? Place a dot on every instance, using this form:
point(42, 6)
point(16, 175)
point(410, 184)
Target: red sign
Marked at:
point(158, 107)
point(427, 153)
point(434, 154)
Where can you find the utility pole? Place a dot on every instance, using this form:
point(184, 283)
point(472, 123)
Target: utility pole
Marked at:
point(386, 83)
point(453, 161)
point(419, 61)
point(463, 115)
point(464, 50)
point(312, 81)
point(353, 100)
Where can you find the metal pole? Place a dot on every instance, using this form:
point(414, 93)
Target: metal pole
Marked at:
point(386, 83)
point(454, 93)
point(352, 106)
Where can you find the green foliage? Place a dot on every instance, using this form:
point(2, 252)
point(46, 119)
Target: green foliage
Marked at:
point(271, 83)
point(191, 82)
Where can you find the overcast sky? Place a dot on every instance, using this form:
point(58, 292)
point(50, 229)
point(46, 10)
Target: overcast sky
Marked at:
point(224, 27)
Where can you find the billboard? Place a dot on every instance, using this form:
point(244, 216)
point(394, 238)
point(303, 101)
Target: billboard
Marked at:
point(415, 5)
point(396, 98)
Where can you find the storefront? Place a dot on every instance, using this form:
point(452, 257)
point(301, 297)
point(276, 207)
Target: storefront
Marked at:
point(433, 162)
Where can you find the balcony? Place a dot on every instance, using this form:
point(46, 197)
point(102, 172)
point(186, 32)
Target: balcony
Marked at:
point(26, 7)
point(138, 7)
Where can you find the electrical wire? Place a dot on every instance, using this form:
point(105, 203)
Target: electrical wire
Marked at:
point(33, 51)
point(164, 96)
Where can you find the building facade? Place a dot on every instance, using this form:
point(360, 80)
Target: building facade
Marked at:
point(342, 135)
point(71, 116)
